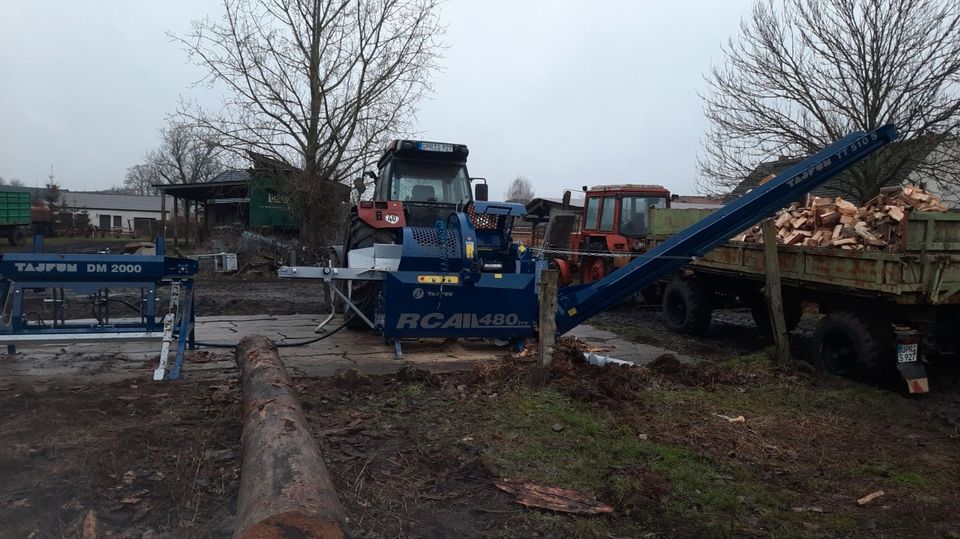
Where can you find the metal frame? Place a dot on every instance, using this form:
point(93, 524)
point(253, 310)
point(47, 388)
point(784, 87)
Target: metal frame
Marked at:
point(95, 276)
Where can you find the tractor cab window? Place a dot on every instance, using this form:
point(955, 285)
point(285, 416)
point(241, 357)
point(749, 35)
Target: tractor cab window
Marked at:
point(606, 215)
point(425, 181)
point(593, 208)
point(635, 214)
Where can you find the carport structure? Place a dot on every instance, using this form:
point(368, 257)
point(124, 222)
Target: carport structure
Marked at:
point(224, 201)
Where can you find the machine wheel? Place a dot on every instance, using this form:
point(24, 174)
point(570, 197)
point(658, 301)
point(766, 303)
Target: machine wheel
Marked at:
point(792, 312)
point(17, 236)
point(687, 306)
point(846, 344)
point(364, 293)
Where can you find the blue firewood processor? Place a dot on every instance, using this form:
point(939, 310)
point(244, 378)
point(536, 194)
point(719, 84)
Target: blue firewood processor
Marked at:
point(427, 259)
point(48, 276)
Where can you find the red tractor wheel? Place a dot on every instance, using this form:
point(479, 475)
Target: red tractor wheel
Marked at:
point(593, 269)
point(563, 268)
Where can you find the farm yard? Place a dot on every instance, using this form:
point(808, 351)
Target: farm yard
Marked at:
point(448, 269)
point(417, 453)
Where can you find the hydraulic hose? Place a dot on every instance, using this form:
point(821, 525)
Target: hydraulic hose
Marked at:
point(279, 345)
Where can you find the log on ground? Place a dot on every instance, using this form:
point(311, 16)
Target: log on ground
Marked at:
point(285, 490)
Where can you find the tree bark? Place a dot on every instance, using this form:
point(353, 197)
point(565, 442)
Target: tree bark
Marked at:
point(285, 490)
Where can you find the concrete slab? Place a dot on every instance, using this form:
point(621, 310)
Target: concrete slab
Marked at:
point(113, 361)
point(611, 344)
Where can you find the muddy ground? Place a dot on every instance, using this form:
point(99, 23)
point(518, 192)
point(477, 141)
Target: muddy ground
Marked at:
point(415, 454)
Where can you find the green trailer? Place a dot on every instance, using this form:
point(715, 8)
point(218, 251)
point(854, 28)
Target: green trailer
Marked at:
point(877, 304)
point(15, 215)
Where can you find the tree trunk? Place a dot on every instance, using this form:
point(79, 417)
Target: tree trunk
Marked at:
point(285, 490)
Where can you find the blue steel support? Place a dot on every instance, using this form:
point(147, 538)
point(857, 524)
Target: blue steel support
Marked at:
point(579, 303)
point(185, 331)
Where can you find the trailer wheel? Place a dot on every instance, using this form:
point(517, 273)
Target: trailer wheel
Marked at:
point(363, 293)
point(792, 312)
point(687, 306)
point(846, 344)
point(17, 236)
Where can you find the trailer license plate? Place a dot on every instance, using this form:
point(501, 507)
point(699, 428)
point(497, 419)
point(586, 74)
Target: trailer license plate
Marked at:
point(906, 353)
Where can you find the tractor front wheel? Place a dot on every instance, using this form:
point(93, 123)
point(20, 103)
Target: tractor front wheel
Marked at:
point(364, 294)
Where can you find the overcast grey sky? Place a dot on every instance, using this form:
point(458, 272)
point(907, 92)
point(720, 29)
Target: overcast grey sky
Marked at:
point(564, 92)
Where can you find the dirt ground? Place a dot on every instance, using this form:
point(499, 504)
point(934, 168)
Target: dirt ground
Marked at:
point(416, 454)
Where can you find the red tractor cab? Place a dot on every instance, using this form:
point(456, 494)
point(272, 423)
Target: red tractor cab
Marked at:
point(615, 220)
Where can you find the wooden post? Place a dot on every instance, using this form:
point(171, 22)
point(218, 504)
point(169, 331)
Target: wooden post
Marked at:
point(285, 490)
point(774, 294)
point(549, 279)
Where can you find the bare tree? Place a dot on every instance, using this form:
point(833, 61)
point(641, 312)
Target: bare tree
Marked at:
point(520, 190)
point(3, 181)
point(803, 73)
point(140, 179)
point(16, 182)
point(185, 155)
point(319, 84)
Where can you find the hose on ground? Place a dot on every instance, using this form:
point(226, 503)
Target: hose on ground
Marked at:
point(279, 345)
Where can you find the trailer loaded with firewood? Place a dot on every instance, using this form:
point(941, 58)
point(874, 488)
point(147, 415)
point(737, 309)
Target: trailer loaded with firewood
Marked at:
point(885, 277)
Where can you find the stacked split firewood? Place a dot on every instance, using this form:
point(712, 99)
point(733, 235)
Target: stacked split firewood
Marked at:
point(835, 222)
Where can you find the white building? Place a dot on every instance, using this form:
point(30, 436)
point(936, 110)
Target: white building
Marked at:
point(116, 212)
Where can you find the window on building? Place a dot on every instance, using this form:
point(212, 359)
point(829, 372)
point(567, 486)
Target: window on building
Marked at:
point(117, 221)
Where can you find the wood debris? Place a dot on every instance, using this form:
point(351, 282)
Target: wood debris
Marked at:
point(838, 223)
point(870, 497)
point(553, 498)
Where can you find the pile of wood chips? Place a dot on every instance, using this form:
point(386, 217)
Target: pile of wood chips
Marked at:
point(835, 222)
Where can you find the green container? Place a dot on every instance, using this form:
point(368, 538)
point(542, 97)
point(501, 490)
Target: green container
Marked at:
point(269, 204)
point(670, 221)
point(14, 208)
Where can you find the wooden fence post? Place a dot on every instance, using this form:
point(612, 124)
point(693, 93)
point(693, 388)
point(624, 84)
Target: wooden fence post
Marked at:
point(549, 281)
point(774, 294)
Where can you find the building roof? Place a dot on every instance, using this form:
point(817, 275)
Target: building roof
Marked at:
point(104, 201)
point(232, 175)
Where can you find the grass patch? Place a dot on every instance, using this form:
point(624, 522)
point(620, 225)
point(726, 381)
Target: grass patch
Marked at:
point(546, 437)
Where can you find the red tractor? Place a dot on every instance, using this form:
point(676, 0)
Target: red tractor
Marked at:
point(615, 219)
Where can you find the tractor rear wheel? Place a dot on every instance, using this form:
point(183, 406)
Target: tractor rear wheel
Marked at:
point(593, 269)
point(364, 294)
point(687, 306)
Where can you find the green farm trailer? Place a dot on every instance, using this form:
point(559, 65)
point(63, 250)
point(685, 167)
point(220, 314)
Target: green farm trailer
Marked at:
point(883, 310)
point(15, 215)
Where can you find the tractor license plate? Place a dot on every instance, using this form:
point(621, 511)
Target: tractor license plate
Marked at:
point(434, 147)
point(906, 353)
